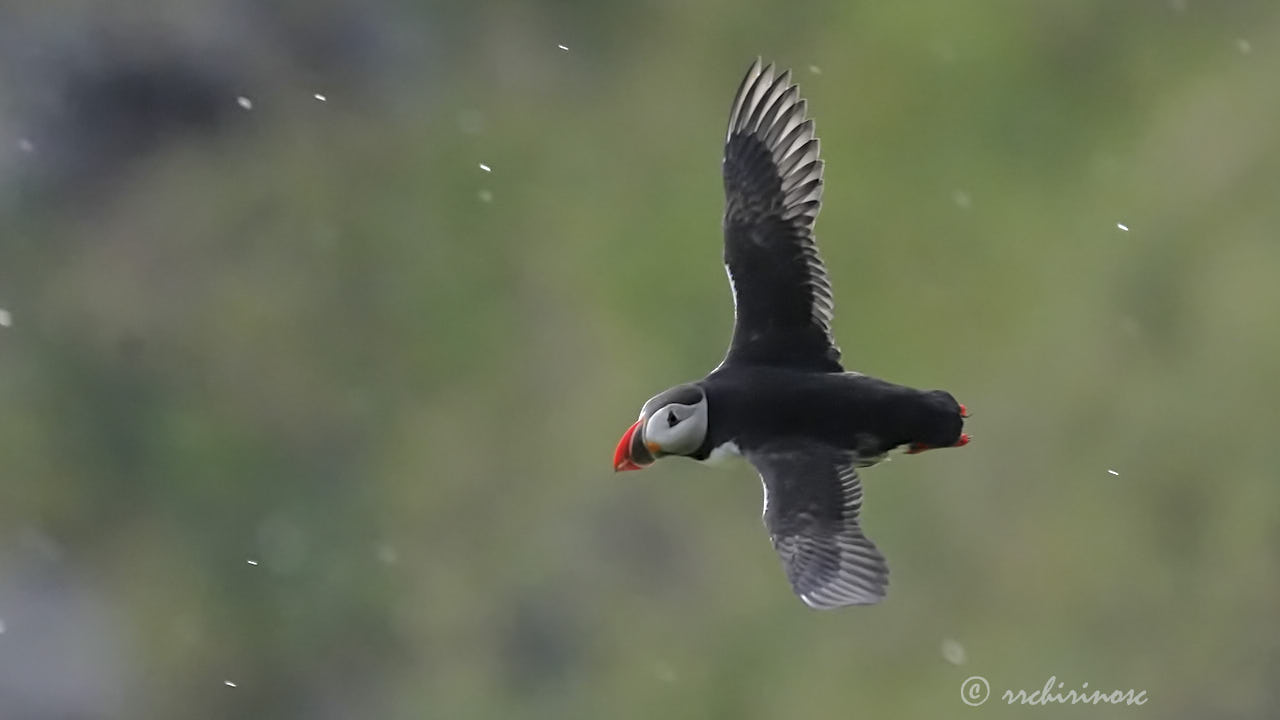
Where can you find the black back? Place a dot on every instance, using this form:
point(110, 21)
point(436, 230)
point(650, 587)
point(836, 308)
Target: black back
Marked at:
point(753, 405)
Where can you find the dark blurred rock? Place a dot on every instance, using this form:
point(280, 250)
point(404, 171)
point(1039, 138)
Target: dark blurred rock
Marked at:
point(115, 112)
point(83, 97)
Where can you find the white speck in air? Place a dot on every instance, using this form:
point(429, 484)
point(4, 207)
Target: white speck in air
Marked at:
point(485, 168)
point(953, 652)
point(563, 47)
point(1123, 227)
point(321, 97)
point(6, 319)
point(228, 683)
point(252, 562)
point(814, 69)
point(244, 102)
point(26, 146)
point(1244, 46)
point(485, 196)
point(962, 199)
point(1113, 472)
point(1, 627)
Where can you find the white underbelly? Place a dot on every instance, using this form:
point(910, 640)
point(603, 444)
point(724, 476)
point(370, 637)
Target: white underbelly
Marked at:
point(723, 452)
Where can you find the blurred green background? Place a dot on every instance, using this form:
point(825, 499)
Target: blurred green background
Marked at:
point(307, 415)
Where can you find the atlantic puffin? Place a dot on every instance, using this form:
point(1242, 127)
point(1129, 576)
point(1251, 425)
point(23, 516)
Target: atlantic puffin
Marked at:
point(780, 398)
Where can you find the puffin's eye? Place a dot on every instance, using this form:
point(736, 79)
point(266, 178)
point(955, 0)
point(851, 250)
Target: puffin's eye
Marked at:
point(671, 418)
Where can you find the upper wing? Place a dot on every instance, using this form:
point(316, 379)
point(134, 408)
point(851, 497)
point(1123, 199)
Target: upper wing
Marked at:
point(773, 188)
point(811, 505)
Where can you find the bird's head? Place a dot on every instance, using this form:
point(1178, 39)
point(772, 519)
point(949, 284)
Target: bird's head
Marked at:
point(673, 422)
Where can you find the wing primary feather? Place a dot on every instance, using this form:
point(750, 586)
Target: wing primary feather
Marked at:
point(740, 96)
point(807, 210)
point(806, 153)
point(766, 100)
point(811, 190)
point(794, 140)
point(808, 171)
point(789, 115)
point(751, 101)
point(780, 98)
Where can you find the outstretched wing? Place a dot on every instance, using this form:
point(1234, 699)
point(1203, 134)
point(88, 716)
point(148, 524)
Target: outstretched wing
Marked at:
point(811, 505)
point(773, 188)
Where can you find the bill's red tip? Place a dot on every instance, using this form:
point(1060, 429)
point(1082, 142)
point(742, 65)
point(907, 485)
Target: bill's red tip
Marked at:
point(964, 440)
point(622, 455)
point(964, 411)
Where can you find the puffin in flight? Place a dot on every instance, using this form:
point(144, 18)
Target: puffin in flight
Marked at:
point(780, 398)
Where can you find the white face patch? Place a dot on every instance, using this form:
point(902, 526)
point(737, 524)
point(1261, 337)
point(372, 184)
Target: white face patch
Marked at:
point(676, 428)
